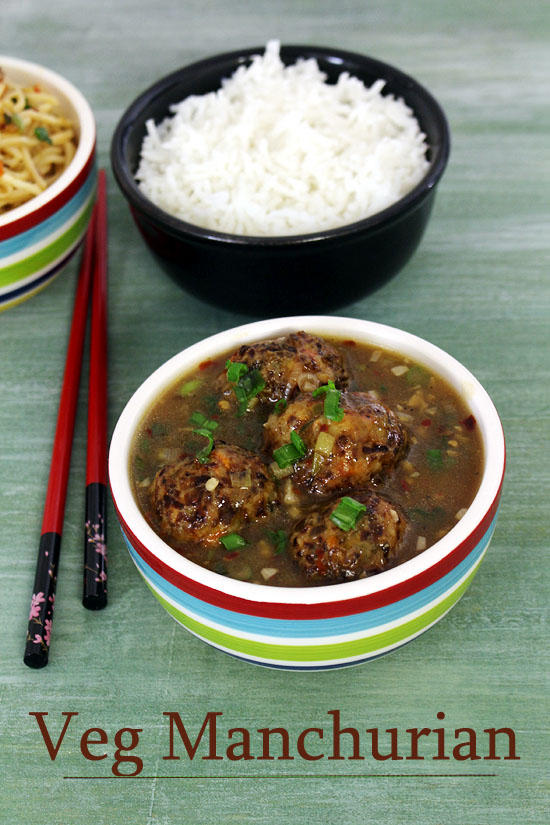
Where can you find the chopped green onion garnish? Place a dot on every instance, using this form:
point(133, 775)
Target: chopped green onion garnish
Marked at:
point(434, 459)
point(253, 383)
point(232, 541)
point(347, 513)
point(18, 122)
point(332, 409)
point(419, 515)
point(203, 454)
point(190, 386)
point(139, 465)
point(298, 443)
point(280, 405)
point(158, 429)
point(290, 453)
point(322, 450)
point(235, 370)
point(278, 539)
point(202, 421)
point(246, 384)
point(286, 455)
point(249, 386)
point(324, 388)
point(42, 134)
point(418, 375)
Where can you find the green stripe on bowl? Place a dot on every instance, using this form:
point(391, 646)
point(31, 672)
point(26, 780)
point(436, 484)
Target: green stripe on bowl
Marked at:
point(26, 295)
point(319, 653)
point(41, 259)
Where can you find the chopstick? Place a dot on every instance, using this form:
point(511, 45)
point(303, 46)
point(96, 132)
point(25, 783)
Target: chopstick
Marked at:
point(93, 270)
point(94, 595)
point(37, 646)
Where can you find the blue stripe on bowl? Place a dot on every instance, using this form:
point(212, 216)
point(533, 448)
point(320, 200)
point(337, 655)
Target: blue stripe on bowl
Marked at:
point(317, 628)
point(20, 242)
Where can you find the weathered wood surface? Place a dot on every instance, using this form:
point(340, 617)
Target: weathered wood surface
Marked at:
point(478, 287)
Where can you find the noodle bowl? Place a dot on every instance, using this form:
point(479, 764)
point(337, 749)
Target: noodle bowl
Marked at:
point(39, 234)
point(37, 142)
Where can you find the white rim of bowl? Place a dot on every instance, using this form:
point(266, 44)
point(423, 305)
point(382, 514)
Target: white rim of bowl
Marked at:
point(369, 332)
point(55, 83)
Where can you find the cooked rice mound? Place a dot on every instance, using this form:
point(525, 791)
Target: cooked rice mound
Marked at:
point(278, 151)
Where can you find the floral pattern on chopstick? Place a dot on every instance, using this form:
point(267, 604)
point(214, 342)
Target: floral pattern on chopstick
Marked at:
point(40, 614)
point(36, 601)
point(95, 536)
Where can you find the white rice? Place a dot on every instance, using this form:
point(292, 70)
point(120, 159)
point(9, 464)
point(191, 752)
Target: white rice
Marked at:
point(277, 151)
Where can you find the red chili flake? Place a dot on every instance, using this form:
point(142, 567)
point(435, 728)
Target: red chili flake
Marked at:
point(205, 364)
point(427, 422)
point(232, 555)
point(323, 428)
point(405, 485)
point(36, 88)
point(469, 423)
point(350, 343)
point(320, 562)
point(149, 432)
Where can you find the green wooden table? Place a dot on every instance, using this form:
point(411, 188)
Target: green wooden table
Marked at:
point(478, 287)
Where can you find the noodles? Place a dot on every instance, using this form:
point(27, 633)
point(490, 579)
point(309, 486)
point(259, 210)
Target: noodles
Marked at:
point(36, 142)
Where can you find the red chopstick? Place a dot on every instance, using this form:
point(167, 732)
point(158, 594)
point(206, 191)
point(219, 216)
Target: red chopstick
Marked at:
point(94, 595)
point(37, 646)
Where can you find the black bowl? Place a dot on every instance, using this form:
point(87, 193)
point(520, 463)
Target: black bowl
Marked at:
point(271, 276)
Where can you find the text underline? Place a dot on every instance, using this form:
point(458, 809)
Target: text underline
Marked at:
point(311, 776)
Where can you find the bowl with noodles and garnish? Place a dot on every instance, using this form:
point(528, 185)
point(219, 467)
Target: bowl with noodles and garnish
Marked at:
point(47, 176)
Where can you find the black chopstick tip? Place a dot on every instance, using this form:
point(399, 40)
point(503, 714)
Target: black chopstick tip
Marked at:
point(36, 660)
point(39, 628)
point(95, 601)
point(94, 591)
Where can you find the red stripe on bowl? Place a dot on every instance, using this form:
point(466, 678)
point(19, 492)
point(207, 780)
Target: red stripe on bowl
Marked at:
point(326, 610)
point(38, 215)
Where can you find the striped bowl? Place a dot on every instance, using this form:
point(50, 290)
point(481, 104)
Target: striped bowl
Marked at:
point(39, 237)
point(319, 627)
